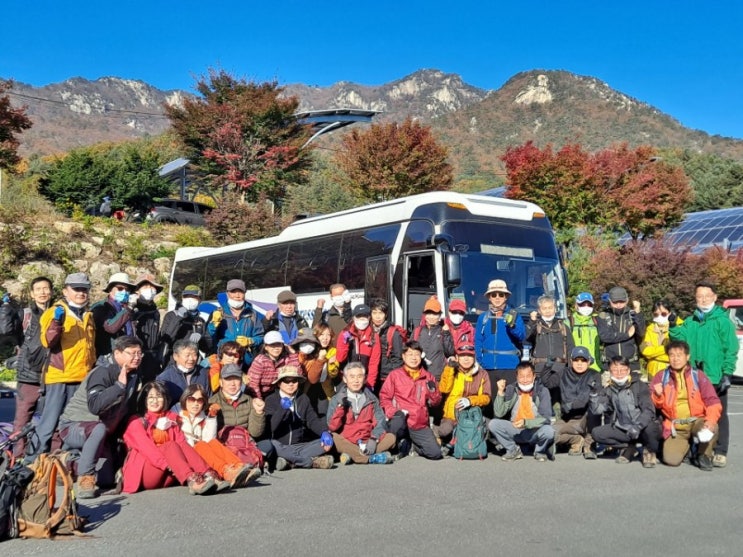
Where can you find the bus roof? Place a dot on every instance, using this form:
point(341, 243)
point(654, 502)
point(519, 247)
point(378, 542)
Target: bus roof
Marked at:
point(396, 210)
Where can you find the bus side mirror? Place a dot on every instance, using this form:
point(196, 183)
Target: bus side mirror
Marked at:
point(453, 269)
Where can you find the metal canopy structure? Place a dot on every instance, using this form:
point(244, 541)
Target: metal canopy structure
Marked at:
point(323, 121)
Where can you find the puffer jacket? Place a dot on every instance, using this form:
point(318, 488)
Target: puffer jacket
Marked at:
point(71, 345)
point(197, 428)
point(401, 392)
point(360, 346)
point(240, 412)
point(498, 346)
point(369, 423)
point(457, 384)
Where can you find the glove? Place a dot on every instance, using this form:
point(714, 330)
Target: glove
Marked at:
point(510, 318)
point(346, 296)
point(724, 385)
point(326, 439)
point(672, 317)
point(181, 312)
point(244, 341)
point(195, 337)
point(633, 432)
point(286, 403)
point(431, 386)
point(566, 407)
point(217, 317)
point(371, 447)
point(214, 410)
point(6, 298)
point(133, 300)
point(346, 336)
point(59, 312)
point(463, 403)
point(345, 402)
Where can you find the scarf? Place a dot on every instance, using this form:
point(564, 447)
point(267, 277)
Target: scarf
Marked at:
point(525, 410)
point(414, 373)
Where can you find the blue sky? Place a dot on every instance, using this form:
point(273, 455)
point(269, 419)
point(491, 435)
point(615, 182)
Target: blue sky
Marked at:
point(683, 57)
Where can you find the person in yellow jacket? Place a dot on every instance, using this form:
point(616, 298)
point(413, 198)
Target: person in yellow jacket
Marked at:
point(464, 384)
point(68, 332)
point(653, 346)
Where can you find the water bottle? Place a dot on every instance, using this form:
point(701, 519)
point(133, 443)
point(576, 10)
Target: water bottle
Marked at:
point(526, 355)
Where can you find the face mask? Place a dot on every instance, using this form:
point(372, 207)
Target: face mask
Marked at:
point(147, 294)
point(307, 347)
point(338, 301)
point(620, 382)
point(286, 314)
point(548, 320)
point(456, 318)
point(190, 304)
point(585, 311)
point(705, 309)
point(661, 320)
point(76, 306)
point(361, 324)
point(526, 388)
point(121, 296)
point(235, 304)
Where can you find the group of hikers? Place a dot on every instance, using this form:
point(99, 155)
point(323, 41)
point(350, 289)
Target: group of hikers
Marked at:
point(213, 400)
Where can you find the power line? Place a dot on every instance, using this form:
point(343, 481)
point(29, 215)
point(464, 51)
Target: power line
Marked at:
point(107, 112)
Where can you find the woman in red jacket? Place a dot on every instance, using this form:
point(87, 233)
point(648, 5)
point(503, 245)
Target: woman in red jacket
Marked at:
point(159, 455)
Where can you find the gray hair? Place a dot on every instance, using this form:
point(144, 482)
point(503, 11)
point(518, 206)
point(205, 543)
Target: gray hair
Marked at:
point(354, 365)
point(185, 344)
point(544, 298)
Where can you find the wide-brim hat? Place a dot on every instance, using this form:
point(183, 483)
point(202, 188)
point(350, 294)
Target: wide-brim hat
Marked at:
point(148, 278)
point(289, 372)
point(497, 285)
point(119, 278)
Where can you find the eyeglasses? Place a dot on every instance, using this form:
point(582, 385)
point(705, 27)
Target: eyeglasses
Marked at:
point(192, 399)
point(290, 380)
point(585, 304)
point(498, 295)
point(79, 289)
point(154, 398)
point(134, 355)
point(119, 287)
point(617, 301)
point(661, 314)
point(231, 354)
point(466, 348)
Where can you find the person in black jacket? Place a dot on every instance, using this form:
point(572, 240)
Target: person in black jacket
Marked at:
point(31, 358)
point(184, 323)
point(114, 316)
point(291, 423)
point(621, 329)
point(147, 325)
point(285, 319)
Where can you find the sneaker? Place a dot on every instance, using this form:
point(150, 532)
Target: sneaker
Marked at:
point(219, 482)
point(648, 459)
point(720, 461)
point(513, 455)
point(540, 457)
point(86, 488)
point(403, 448)
point(253, 475)
point(282, 464)
point(576, 449)
point(345, 459)
point(445, 451)
point(705, 463)
point(324, 462)
point(237, 475)
point(588, 452)
point(200, 485)
point(381, 458)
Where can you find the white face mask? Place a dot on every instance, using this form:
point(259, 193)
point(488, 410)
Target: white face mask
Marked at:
point(338, 301)
point(190, 304)
point(526, 388)
point(307, 347)
point(661, 320)
point(361, 324)
point(147, 294)
point(620, 382)
point(456, 318)
point(585, 310)
point(235, 304)
point(185, 369)
point(705, 309)
point(548, 320)
point(76, 306)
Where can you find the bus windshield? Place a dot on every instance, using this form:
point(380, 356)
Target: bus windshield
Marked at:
point(523, 255)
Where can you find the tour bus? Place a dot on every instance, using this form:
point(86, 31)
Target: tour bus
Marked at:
point(403, 251)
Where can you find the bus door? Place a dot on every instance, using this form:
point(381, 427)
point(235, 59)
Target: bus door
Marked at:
point(419, 285)
point(377, 280)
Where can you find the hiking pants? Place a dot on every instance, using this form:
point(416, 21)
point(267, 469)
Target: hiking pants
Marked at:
point(343, 445)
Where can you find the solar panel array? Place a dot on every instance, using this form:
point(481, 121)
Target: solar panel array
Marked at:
point(704, 229)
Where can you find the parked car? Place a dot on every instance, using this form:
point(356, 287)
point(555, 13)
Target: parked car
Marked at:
point(178, 211)
point(735, 310)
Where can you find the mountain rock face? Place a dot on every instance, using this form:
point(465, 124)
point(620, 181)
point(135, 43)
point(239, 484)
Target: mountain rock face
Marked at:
point(476, 125)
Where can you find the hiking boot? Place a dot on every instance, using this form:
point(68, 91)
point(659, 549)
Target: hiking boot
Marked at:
point(720, 461)
point(282, 464)
point(540, 457)
point(345, 459)
point(86, 487)
point(588, 452)
point(236, 474)
point(253, 474)
point(626, 456)
point(705, 463)
point(381, 458)
point(403, 448)
point(648, 459)
point(200, 485)
point(324, 462)
point(576, 449)
point(445, 451)
point(516, 454)
point(219, 482)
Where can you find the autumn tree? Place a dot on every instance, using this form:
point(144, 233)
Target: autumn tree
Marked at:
point(394, 160)
point(243, 135)
point(12, 122)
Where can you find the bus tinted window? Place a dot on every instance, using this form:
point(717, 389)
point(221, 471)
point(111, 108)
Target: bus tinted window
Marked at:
point(417, 235)
point(220, 269)
point(313, 264)
point(265, 267)
point(188, 271)
point(359, 245)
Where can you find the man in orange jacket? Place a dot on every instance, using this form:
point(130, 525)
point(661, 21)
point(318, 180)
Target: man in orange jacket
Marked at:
point(690, 408)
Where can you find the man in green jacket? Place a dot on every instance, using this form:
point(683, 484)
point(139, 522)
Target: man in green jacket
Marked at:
point(714, 349)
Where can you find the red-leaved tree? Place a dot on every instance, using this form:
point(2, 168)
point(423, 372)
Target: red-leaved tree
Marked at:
point(12, 122)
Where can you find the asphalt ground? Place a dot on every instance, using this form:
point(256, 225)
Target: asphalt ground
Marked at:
point(418, 507)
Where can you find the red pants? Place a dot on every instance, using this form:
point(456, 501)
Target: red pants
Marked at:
point(182, 460)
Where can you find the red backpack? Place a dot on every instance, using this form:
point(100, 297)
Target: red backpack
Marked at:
point(391, 334)
point(237, 439)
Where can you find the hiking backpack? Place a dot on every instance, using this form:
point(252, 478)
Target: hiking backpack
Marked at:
point(14, 478)
point(237, 439)
point(391, 335)
point(40, 514)
point(469, 435)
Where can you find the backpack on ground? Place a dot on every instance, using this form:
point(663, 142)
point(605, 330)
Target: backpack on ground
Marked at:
point(13, 480)
point(237, 439)
point(40, 514)
point(469, 435)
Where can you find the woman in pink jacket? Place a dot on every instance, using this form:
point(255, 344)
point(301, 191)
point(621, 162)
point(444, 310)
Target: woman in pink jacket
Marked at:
point(159, 455)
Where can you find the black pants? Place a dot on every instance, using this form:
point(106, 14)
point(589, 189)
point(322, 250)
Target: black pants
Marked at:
point(724, 424)
point(612, 436)
point(423, 439)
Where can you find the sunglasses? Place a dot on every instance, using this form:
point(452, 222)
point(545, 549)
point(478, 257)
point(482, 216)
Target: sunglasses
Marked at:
point(467, 348)
point(231, 354)
point(195, 399)
point(585, 304)
point(661, 314)
point(497, 294)
point(290, 380)
point(80, 289)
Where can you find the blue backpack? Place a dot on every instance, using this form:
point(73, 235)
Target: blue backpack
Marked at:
point(469, 435)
